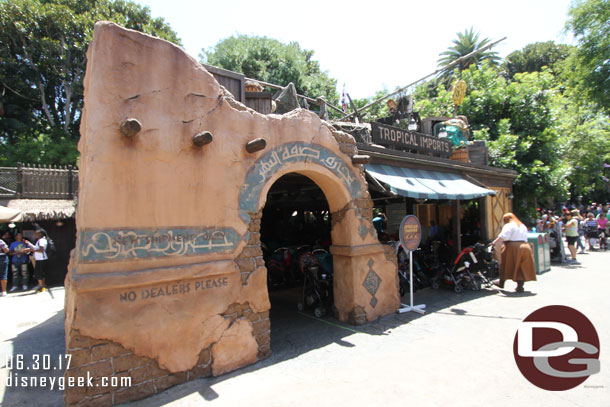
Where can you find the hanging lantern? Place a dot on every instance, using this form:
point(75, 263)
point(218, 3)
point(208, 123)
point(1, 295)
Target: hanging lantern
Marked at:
point(459, 91)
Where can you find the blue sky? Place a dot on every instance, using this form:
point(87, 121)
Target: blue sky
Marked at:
point(368, 45)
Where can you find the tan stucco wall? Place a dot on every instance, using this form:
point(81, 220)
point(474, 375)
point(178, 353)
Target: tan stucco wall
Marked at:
point(167, 303)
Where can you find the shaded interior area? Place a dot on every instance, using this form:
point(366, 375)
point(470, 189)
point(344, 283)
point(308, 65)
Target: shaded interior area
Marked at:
point(295, 238)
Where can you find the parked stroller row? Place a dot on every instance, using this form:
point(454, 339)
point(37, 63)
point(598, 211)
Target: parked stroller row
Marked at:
point(473, 268)
point(302, 266)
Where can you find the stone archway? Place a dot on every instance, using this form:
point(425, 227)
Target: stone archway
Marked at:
point(357, 256)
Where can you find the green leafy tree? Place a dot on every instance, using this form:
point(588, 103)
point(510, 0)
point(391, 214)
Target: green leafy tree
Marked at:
point(464, 44)
point(517, 119)
point(533, 57)
point(272, 61)
point(587, 132)
point(43, 45)
point(590, 23)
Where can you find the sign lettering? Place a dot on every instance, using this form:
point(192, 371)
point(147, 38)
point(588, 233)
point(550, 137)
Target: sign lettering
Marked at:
point(116, 245)
point(400, 138)
point(178, 289)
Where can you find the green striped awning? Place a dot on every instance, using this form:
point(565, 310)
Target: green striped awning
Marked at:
point(422, 184)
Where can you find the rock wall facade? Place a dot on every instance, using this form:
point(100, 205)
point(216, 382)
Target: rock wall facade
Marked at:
point(167, 282)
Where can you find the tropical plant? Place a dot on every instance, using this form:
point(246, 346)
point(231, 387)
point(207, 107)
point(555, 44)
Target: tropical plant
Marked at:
point(466, 43)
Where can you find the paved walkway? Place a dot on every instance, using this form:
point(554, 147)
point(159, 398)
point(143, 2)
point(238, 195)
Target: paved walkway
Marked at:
point(459, 354)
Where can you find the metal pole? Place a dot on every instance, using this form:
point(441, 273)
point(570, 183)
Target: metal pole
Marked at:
point(452, 64)
point(411, 277)
point(19, 180)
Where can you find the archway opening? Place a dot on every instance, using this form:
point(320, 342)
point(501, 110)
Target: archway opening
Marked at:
point(296, 240)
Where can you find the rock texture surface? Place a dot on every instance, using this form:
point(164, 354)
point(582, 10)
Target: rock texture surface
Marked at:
point(167, 282)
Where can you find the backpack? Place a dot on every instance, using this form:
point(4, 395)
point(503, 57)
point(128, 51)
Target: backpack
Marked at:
point(51, 249)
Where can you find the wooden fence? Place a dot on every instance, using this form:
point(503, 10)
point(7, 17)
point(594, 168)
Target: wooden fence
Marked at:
point(38, 182)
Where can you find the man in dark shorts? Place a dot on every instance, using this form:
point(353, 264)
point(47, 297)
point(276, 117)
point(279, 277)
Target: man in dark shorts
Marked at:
point(571, 230)
point(40, 256)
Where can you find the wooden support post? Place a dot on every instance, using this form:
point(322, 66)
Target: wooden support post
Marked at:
point(483, 218)
point(361, 159)
point(256, 145)
point(203, 138)
point(131, 127)
point(19, 180)
point(356, 113)
point(457, 225)
point(70, 182)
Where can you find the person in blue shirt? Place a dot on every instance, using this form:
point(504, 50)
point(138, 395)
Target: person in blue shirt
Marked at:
point(21, 276)
point(3, 263)
point(380, 223)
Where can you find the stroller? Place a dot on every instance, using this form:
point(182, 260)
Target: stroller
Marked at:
point(422, 271)
point(592, 234)
point(473, 268)
point(318, 282)
point(554, 246)
point(280, 268)
point(484, 267)
point(601, 234)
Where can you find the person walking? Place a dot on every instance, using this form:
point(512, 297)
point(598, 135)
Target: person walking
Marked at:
point(581, 231)
point(571, 229)
point(517, 258)
point(602, 229)
point(19, 264)
point(590, 226)
point(40, 256)
point(3, 266)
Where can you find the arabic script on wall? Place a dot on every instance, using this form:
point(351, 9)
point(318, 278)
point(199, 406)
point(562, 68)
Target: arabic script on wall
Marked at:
point(116, 245)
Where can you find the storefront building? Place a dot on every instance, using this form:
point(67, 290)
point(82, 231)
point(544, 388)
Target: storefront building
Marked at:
point(182, 190)
point(167, 282)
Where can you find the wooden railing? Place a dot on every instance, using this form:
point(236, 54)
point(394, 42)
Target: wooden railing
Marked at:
point(38, 182)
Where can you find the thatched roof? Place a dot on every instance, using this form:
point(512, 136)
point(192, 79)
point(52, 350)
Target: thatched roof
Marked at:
point(42, 209)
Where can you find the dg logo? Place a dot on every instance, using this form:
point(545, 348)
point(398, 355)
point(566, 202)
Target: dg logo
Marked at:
point(557, 348)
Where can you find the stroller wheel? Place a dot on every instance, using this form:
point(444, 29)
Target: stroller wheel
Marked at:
point(318, 312)
point(458, 289)
point(402, 290)
point(435, 284)
point(300, 306)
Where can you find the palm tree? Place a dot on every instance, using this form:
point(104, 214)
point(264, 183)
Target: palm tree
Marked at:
point(466, 42)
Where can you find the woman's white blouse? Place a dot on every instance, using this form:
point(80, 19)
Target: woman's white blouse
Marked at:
point(511, 232)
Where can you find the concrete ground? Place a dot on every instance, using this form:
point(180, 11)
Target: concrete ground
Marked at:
point(459, 353)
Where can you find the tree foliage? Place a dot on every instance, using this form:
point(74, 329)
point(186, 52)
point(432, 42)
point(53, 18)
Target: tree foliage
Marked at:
point(272, 61)
point(590, 23)
point(518, 120)
point(43, 45)
point(534, 57)
point(464, 44)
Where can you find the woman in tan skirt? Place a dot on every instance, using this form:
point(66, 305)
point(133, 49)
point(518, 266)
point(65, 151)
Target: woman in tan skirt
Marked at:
point(517, 259)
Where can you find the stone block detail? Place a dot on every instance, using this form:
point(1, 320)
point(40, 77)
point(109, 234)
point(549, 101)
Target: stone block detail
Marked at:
point(251, 256)
point(363, 208)
point(99, 358)
point(346, 142)
point(390, 254)
point(261, 325)
point(357, 316)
